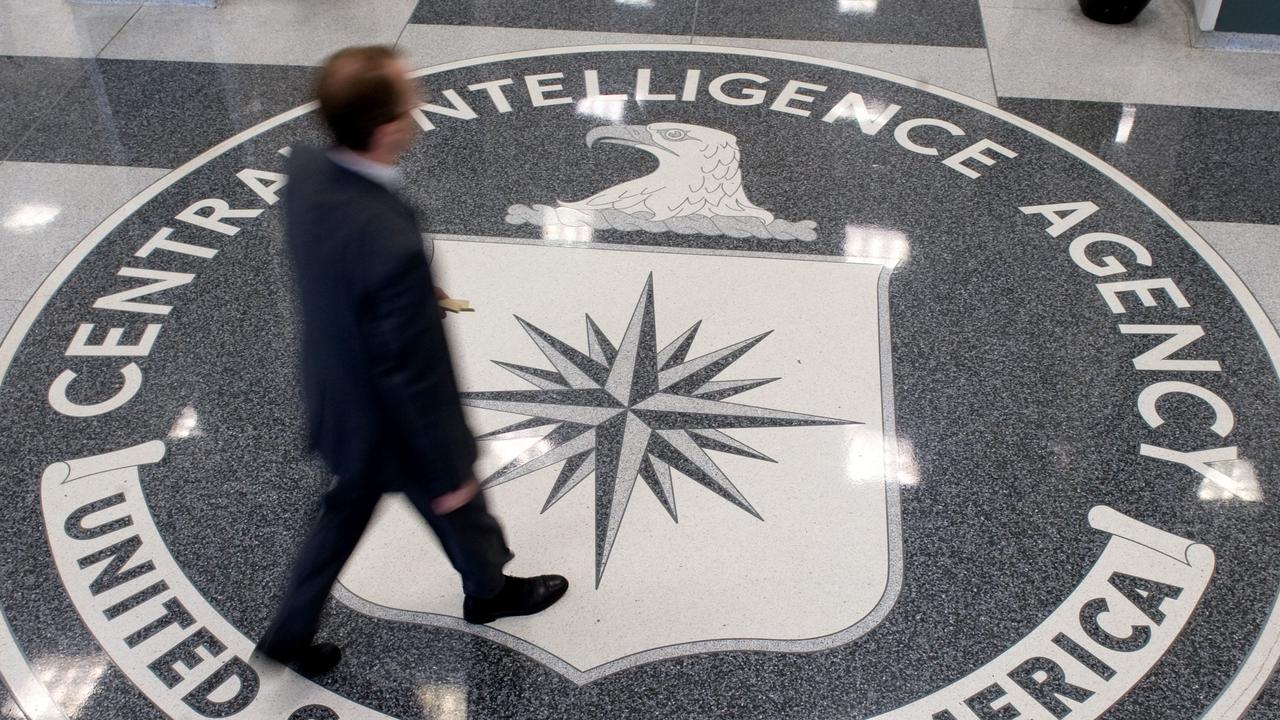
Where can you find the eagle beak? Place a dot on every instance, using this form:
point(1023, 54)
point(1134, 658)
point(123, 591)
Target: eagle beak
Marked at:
point(634, 135)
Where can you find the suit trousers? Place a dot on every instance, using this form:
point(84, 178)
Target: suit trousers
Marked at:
point(471, 538)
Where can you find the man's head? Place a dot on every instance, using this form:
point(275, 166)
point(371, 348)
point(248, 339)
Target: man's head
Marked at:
point(365, 99)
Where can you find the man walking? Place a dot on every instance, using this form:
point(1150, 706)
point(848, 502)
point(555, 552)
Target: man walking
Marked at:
point(381, 396)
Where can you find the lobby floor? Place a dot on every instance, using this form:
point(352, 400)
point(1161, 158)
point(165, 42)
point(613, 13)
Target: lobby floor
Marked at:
point(868, 359)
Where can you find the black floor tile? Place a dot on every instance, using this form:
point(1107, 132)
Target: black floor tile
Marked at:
point(1205, 163)
point(662, 17)
point(29, 86)
point(915, 22)
point(156, 114)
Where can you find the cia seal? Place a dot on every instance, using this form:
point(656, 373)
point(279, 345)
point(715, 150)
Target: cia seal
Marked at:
point(833, 394)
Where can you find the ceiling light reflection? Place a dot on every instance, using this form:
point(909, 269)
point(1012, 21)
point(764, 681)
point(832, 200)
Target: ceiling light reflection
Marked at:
point(1125, 127)
point(882, 245)
point(30, 217)
point(70, 679)
point(566, 233)
point(605, 107)
point(1240, 482)
point(907, 471)
point(553, 229)
point(510, 446)
point(858, 7)
point(871, 109)
point(186, 425)
point(870, 457)
point(444, 702)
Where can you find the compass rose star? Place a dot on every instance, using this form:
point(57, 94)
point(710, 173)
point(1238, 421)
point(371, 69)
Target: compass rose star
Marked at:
point(631, 412)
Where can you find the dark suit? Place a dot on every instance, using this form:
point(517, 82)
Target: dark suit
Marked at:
point(381, 397)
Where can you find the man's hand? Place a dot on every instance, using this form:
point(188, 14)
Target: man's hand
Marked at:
point(440, 295)
point(455, 499)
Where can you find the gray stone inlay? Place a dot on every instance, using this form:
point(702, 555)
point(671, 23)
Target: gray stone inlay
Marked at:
point(1208, 164)
point(715, 440)
point(545, 379)
point(1236, 41)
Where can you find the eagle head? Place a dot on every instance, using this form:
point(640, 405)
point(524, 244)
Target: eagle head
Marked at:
point(679, 139)
point(697, 175)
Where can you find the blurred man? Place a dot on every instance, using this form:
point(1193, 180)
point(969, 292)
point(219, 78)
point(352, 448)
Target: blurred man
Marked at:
point(381, 397)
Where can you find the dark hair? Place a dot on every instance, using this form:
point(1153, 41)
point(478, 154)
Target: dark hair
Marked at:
point(358, 93)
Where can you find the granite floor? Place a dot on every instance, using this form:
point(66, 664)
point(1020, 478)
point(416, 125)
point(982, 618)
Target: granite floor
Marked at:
point(948, 328)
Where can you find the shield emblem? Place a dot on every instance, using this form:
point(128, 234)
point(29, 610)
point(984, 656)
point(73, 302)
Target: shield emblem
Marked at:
point(661, 427)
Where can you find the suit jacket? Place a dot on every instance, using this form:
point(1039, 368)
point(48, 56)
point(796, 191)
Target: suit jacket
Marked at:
point(376, 370)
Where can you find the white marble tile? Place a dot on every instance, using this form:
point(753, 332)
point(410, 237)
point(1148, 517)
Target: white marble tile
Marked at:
point(426, 45)
point(46, 208)
point(8, 312)
point(1060, 54)
point(1253, 251)
point(964, 70)
point(59, 29)
point(249, 31)
point(1031, 4)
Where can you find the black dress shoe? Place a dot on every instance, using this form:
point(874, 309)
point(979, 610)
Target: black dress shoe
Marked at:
point(519, 596)
point(311, 661)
